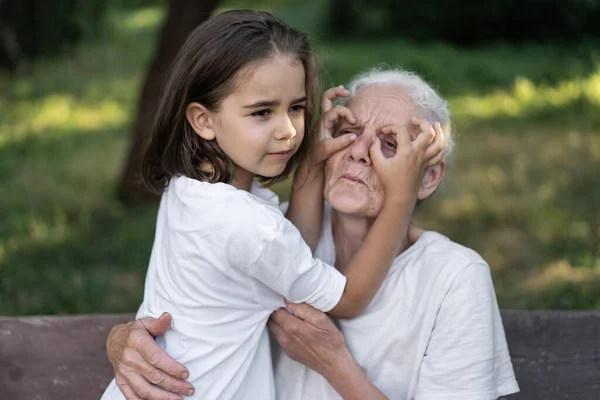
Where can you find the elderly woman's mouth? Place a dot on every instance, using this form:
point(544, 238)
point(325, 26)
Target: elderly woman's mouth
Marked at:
point(352, 178)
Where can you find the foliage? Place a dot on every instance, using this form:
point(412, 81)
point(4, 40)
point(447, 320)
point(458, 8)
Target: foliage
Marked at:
point(46, 27)
point(523, 190)
point(479, 22)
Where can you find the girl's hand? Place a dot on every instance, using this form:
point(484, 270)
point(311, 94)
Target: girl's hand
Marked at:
point(401, 174)
point(330, 117)
point(435, 151)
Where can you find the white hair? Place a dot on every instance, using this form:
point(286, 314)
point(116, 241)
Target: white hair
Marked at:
point(427, 100)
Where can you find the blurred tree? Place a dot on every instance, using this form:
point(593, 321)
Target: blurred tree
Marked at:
point(182, 17)
point(11, 55)
point(33, 28)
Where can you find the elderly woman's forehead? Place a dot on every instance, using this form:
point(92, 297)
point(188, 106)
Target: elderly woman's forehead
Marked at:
point(381, 102)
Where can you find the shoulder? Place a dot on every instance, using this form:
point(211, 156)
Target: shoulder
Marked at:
point(438, 263)
point(441, 254)
point(221, 207)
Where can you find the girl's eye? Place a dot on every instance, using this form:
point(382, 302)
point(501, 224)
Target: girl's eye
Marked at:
point(298, 108)
point(261, 113)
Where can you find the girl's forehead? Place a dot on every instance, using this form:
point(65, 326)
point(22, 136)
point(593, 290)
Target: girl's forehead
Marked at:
point(272, 71)
point(276, 79)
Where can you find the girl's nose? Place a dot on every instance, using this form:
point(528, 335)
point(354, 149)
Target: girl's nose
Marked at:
point(286, 130)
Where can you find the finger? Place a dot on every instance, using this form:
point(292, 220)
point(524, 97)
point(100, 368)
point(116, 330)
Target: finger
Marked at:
point(331, 146)
point(282, 317)
point(147, 391)
point(127, 391)
point(302, 310)
point(399, 133)
point(155, 356)
point(435, 151)
point(331, 118)
point(426, 136)
point(375, 152)
point(276, 329)
point(157, 326)
point(309, 314)
point(158, 377)
point(435, 160)
point(439, 132)
point(330, 95)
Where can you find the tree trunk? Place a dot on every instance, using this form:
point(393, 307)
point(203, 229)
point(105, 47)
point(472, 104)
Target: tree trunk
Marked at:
point(182, 17)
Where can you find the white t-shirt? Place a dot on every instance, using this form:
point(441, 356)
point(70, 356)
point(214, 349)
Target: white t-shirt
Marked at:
point(221, 263)
point(433, 331)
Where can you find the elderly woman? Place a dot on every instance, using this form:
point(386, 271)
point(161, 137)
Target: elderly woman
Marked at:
point(433, 331)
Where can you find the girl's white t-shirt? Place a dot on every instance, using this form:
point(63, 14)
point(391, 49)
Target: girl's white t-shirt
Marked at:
point(433, 331)
point(222, 261)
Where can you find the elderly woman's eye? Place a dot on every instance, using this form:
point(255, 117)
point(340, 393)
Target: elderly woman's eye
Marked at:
point(390, 144)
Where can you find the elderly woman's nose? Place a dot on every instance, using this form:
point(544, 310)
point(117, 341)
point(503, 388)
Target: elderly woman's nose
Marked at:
point(359, 150)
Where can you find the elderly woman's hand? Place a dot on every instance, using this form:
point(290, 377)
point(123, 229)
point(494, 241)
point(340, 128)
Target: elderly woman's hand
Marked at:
point(309, 337)
point(139, 362)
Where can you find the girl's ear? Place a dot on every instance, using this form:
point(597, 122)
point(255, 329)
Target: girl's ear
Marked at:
point(199, 118)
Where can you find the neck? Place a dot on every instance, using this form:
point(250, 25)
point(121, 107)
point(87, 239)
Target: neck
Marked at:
point(242, 179)
point(349, 234)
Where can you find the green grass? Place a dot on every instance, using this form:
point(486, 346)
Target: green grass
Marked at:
point(523, 190)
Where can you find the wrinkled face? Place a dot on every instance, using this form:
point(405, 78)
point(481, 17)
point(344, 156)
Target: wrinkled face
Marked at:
point(260, 126)
point(351, 185)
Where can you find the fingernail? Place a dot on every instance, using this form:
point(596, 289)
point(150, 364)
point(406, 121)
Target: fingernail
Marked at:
point(185, 375)
point(190, 392)
point(353, 137)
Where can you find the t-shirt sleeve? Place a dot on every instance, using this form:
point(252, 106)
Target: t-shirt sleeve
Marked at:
point(280, 262)
point(467, 355)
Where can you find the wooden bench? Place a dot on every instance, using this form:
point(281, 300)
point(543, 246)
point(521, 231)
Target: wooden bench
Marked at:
point(556, 355)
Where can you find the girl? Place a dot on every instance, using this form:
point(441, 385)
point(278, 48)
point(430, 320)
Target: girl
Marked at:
point(239, 104)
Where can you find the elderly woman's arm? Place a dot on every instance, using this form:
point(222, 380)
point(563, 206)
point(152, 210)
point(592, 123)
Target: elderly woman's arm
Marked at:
point(309, 337)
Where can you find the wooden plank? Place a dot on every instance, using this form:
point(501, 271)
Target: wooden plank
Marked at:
point(52, 358)
point(556, 355)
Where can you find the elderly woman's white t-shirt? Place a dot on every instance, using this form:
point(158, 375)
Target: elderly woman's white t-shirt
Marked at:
point(433, 331)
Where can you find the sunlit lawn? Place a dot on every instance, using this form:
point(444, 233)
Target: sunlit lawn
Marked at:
point(523, 191)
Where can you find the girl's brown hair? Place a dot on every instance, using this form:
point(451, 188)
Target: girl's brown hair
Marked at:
point(204, 71)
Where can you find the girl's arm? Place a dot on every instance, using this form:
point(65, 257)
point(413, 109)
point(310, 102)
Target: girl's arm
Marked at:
point(401, 177)
point(305, 210)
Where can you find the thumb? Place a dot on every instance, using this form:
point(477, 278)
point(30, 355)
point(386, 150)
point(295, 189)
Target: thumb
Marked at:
point(302, 310)
point(331, 146)
point(375, 152)
point(157, 326)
